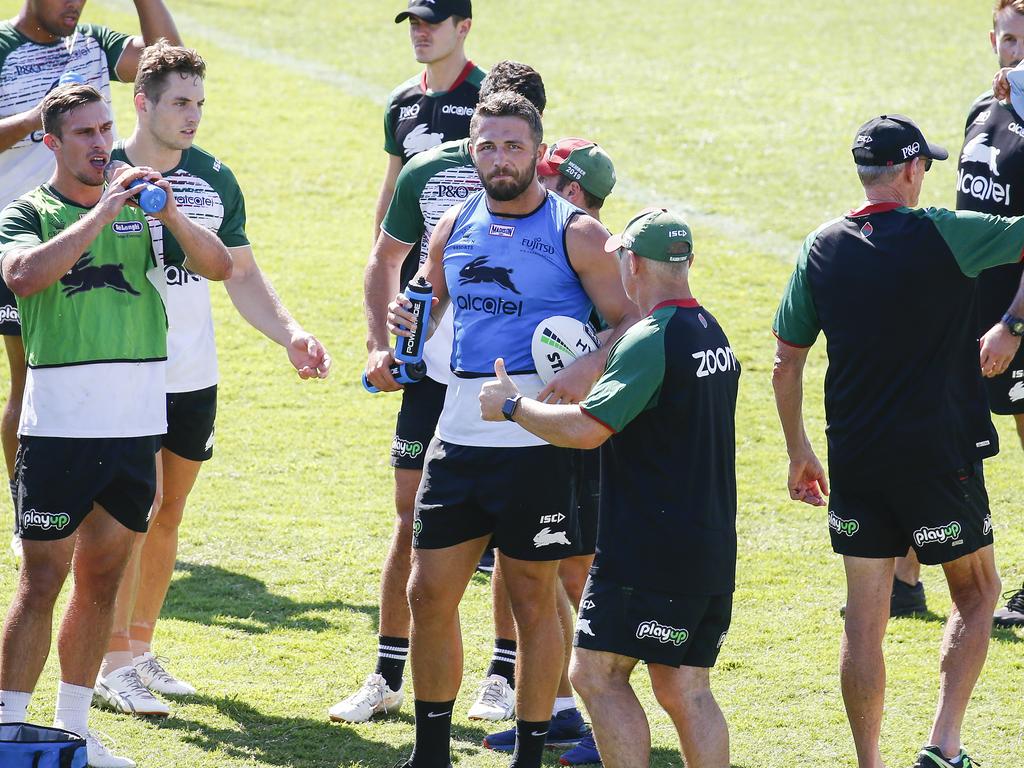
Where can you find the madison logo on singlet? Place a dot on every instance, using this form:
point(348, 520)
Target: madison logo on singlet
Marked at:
point(82, 277)
point(940, 535)
point(662, 633)
point(982, 187)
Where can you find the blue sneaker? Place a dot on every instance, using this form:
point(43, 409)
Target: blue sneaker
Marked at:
point(584, 753)
point(567, 729)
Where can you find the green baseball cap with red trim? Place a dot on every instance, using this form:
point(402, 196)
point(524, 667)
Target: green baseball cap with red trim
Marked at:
point(657, 234)
point(582, 161)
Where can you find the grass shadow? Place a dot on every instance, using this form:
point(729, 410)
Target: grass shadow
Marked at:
point(297, 742)
point(208, 594)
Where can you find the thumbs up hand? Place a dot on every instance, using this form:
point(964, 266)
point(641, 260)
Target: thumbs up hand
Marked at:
point(493, 394)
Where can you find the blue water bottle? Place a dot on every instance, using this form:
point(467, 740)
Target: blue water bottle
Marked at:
point(410, 348)
point(151, 198)
point(403, 373)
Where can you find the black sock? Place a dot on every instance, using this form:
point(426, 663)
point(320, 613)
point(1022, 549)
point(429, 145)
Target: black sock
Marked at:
point(529, 743)
point(391, 655)
point(433, 734)
point(503, 661)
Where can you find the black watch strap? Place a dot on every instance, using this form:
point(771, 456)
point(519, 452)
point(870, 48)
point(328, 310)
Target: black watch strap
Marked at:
point(1014, 324)
point(508, 410)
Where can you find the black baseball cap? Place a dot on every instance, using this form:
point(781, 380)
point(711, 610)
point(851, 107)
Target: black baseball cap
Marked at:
point(434, 11)
point(892, 139)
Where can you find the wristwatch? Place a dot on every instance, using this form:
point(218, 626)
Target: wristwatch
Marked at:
point(1014, 324)
point(508, 410)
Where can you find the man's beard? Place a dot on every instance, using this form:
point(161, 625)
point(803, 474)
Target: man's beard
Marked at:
point(504, 191)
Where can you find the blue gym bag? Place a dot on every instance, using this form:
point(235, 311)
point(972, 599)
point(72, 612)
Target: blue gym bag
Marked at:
point(32, 746)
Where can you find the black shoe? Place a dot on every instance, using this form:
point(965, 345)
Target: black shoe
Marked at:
point(408, 764)
point(486, 564)
point(1013, 614)
point(906, 600)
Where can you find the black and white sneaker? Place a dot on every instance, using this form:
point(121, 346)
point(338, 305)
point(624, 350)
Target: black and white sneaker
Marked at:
point(1013, 614)
point(932, 757)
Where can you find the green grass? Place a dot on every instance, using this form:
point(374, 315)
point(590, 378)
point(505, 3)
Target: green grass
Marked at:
point(743, 111)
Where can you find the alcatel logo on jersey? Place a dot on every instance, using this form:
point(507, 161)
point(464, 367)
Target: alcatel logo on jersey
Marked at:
point(452, 191)
point(194, 201)
point(977, 151)
point(712, 361)
point(911, 149)
point(176, 275)
point(453, 109)
point(126, 227)
point(983, 188)
point(501, 230)
point(408, 113)
point(490, 305)
point(1015, 128)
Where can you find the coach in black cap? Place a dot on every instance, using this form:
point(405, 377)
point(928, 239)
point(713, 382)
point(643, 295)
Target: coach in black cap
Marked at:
point(435, 11)
point(892, 289)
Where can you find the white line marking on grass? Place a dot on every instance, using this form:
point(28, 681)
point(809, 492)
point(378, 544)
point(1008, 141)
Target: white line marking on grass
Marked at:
point(728, 226)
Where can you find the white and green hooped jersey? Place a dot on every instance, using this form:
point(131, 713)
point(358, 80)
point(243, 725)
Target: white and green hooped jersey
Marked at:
point(96, 339)
point(431, 183)
point(206, 191)
point(30, 70)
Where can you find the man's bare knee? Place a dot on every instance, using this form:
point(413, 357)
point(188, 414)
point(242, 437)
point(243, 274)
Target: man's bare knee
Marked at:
point(974, 582)
point(41, 582)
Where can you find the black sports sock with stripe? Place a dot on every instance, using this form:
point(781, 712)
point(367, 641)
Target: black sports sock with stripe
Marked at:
point(503, 660)
point(392, 653)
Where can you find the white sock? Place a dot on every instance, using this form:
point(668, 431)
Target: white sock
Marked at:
point(115, 660)
point(14, 706)
point(73, 708)
point(563, 703)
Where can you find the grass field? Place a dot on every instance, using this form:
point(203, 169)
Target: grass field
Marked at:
point(740, 113)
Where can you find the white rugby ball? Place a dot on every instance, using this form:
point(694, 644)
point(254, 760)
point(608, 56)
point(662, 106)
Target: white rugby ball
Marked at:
point(558, 341)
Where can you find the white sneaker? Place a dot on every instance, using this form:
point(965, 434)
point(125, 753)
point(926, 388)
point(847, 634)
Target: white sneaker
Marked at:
point(495, 700)
point(123, 691)
point(101, 757)
point(372, 698)
point(156, 677)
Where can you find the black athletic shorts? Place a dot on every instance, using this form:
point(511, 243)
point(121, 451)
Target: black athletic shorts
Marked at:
point(525, 497)
point(943, 517)
point(588, 494)
point(10, 320)
point(59, 479)
point(417, 421)
point(1006, 391)
point(656, 627)
point(190, 423)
